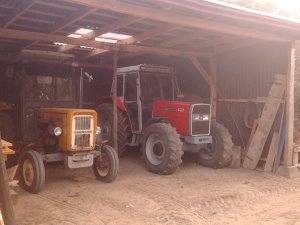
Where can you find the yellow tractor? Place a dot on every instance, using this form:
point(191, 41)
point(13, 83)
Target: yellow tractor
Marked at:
point(46, 125)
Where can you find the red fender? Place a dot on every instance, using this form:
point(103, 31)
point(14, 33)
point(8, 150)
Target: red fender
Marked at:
point(120, 104)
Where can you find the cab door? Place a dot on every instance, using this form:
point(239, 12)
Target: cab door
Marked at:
point(132, 100)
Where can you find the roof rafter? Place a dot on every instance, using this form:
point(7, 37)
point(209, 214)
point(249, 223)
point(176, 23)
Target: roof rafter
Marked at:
point(66, 22)
point(143, 36)
point(17, 13)
point(107, 28)
point(188, 21)
point(36, 36)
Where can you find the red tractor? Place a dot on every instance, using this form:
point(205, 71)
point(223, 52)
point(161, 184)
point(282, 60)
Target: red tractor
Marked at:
point(150, 116)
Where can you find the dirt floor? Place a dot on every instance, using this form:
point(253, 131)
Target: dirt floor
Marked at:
point(193, 195)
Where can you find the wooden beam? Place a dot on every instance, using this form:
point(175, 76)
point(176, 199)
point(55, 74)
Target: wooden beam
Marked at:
point(76, 16)
point(91, 65)
point(241, 43)
point(66, 22)
point(202, 71)
point(180, 39)
point(217, 41)
point(238, 15)
point(211, 80)
point(289, 157)
point(149, 34)
point(107, 28)
point(146, 35)
point(46, 37)
point(55, 5)
point(180, 20)
point(213, 88)
point(124, 22)
point(93, 53)
point(25, 5)
point(173, 42)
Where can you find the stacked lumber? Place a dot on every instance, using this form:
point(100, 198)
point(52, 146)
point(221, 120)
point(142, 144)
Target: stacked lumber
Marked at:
point(262, 129)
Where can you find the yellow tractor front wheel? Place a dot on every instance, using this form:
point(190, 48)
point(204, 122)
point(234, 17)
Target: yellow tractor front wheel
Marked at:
point(106, 166)
point(32, 172)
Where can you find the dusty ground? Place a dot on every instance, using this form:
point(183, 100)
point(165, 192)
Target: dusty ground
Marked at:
point(193, 195)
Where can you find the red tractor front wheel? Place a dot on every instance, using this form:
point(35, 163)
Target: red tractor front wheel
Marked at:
point(162, 148)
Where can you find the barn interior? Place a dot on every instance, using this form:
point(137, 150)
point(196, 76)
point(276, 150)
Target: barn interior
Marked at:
point(223, 55)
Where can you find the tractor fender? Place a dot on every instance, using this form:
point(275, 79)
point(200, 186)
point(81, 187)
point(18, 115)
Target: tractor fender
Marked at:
point(120, 105)
point(148, 123)
point(156, 120)
point(109, 99)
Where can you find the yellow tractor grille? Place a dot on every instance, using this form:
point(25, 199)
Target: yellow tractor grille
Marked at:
point(82, 137)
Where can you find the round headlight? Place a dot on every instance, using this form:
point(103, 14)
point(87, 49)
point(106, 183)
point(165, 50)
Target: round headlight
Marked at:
point(57, 131)
point(98, 131)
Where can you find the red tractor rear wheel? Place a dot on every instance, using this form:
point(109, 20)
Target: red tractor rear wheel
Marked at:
point(162, 148)
point(105, 121)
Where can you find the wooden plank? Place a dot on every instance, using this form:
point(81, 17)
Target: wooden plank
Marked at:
point(265, 123)
point(201, 70)
point(272, 153)
point(245, 100)
point(37, 36)
point(280, 149)
point(180, 20)
point(289, 157)
point(115, 109)
point(6, 143)
point(253, 130)
point(213, 88)
point(5, 200)
point(8, 151)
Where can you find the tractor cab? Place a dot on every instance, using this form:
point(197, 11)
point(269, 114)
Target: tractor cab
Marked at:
point(139, 87)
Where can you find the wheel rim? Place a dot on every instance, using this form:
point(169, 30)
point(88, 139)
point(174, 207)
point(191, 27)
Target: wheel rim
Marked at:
point(155, 149)
point(28, 172)
point(102, 164)
point(210, 150)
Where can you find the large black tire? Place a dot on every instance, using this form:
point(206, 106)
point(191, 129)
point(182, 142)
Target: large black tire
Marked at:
point(162, 148)
point(7, 126)
point(219, 153)
point(105, 121)
point(106, 166)
point(8, 133)
point(32, 172)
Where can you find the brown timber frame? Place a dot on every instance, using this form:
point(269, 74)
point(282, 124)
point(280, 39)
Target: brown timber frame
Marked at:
point(202, 32)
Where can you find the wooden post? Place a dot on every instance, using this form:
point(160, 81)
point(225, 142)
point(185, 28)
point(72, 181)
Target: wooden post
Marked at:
point(289, 157)
point(213, 88)
point(210, 78)
point(5, 200)
point(115, 110)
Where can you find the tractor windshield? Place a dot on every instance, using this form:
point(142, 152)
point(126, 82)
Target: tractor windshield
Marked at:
point(48, 88)
point(157, 87)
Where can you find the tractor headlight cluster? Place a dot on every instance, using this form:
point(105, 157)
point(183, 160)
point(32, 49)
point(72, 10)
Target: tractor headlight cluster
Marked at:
point(200, 117)
point(57, 131)
point(98, 131)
